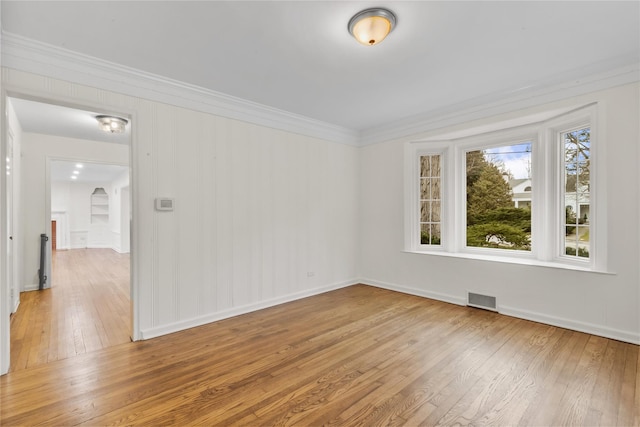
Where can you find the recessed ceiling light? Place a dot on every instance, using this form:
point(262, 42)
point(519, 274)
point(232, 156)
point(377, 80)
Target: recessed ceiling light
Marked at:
point(79, 165)
point(371, 26)
point(112, 124)
point(76, 172)
point(74, 177)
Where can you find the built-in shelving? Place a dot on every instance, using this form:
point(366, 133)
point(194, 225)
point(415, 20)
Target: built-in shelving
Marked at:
point(99, 206)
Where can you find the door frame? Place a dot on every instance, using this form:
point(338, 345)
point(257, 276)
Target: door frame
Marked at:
point(11, 270)
point(10, 91)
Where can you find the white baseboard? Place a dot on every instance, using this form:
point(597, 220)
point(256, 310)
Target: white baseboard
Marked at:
point(589, 328)
point(452, 299)
point(236, 311)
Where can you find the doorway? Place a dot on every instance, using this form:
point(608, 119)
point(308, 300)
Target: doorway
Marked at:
point(86, 304)
point(54, 231)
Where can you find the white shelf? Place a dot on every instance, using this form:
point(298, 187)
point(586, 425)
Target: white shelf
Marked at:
point(99, 206)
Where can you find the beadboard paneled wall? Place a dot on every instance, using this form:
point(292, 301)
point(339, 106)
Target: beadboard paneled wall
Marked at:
point(606, 304)
point(261, 216)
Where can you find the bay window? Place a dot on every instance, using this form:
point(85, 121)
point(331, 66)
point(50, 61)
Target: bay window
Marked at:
point(518, 194)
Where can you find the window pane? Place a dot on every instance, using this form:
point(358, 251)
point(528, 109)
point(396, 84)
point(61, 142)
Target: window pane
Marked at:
point(499, 197)
point(435, 166)
point(435, 211)
point(435, 234)
point(425, 234)
point(430, 234)
point(425, 188)
point(577, 187)
point(435, 189)
point(425, 166)
point(430, 206)
point(425, 212)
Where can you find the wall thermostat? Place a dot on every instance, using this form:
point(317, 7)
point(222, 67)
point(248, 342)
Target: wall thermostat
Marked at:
point(164, 204)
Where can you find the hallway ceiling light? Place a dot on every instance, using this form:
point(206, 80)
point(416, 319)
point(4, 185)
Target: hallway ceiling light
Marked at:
point(112, 124)
point(371, 26)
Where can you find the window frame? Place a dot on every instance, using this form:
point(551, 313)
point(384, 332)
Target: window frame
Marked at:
point(547, 195)
point(419, 199)
point(482, 142)
point(585, 117)
point(412, 186)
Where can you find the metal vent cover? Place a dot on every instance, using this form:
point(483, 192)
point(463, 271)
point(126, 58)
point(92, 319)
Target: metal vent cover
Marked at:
point(486, 302)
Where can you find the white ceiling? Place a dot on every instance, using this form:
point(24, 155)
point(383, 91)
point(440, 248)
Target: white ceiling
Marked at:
point(47, 119)
point(298, 56)
point(37, 117)
point(87, 172)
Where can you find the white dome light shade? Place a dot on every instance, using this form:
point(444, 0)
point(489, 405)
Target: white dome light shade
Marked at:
point(371, 26)
point(112, 124)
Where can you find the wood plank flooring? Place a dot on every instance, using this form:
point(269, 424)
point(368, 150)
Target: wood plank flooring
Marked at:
point(355, 356)
point(87, 309)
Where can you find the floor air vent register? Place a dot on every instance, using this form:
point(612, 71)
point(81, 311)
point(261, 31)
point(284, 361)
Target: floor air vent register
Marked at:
point(485, 302)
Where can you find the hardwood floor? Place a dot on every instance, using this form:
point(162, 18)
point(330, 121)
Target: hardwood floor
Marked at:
point(87, 309)
point(355, 356)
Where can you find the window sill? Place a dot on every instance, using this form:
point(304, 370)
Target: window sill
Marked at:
point(511, 260)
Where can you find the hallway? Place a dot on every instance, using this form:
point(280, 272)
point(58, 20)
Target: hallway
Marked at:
point(87, 309)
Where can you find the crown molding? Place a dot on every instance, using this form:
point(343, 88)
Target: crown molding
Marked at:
point(36, 57)
point(502, 102)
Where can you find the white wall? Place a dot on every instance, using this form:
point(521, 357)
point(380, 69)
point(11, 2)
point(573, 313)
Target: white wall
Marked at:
point(599, 303)
point(60, 196)
point(119, 210)
point(261, 215)
point(74, 199)
point(60, 213)
point(37, 152)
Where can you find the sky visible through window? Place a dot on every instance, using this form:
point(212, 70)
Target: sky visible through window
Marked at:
point(515, 159)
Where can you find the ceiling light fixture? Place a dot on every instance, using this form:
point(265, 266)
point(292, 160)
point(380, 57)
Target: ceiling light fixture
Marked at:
point(111, 124)
point(371, 26)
